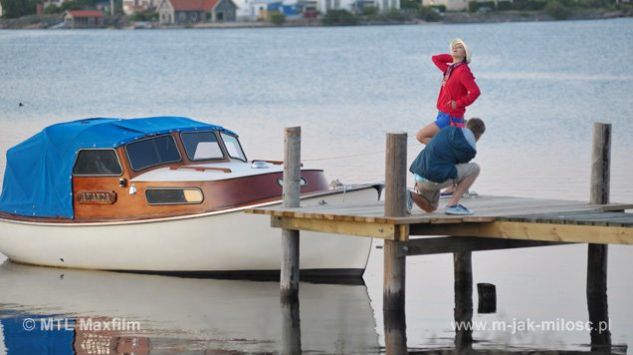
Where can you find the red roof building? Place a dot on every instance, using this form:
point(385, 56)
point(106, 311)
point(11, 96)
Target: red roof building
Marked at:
point(83, 19)
point(193, 5)
point(85, 13)
point(193, 11)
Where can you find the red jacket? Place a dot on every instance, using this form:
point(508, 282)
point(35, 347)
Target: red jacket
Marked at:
point(460, 87)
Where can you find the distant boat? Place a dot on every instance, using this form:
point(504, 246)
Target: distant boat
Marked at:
point(160, 194)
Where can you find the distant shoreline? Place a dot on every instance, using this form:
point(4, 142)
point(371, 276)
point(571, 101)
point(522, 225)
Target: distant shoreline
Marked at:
point(121, 22)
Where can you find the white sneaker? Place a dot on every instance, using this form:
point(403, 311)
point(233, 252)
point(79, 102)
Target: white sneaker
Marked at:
point(458, 210)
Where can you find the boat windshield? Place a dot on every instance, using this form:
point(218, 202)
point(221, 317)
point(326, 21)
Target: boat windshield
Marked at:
point(233, 147)
point(202, 145)
point(154, 151)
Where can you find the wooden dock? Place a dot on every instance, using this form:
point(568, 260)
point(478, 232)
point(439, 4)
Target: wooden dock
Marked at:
point(495, 217)
point(499, 222)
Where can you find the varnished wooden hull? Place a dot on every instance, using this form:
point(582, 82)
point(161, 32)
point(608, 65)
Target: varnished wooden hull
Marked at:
point(217, 242)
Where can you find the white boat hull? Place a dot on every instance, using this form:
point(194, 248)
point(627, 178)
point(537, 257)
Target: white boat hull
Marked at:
point(222, 242)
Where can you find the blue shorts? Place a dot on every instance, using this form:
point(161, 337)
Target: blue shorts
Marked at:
point(444, 120)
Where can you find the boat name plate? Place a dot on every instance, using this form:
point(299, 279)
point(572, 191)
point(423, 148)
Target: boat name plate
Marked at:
point(96, 197)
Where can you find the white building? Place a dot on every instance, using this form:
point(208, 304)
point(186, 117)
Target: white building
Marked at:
point(325, 5)
point(386, 5)
point(48, 3)
point(353, 5)
point(133, 6)
point(1, 13)
point(451, 5)
point(253, 9)
point(244, 9)
point(457, 5)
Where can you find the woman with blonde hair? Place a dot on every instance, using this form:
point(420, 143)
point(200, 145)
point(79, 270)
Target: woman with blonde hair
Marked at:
point(458, 90)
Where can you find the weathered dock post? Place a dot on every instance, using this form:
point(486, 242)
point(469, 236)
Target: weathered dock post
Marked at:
point(394, 250)
point(289, 280)
point(597, 253)
point(290, 328)
point(395, 206)
point(463, 311)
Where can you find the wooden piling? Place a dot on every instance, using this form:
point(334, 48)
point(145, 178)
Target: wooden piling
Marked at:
point(463, 312)
point(597, 253)
point(289, 279)
point(395, 206)
point(291, 328)
point(395, 326)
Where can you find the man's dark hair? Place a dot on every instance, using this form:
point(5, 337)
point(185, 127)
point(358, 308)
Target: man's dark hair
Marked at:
point(477, 126)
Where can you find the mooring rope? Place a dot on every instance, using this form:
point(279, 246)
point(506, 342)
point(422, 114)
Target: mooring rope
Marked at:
point(415, 145)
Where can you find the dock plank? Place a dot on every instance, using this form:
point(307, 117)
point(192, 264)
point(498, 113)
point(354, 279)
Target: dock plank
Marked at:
point(578, 217)
point(495, 216)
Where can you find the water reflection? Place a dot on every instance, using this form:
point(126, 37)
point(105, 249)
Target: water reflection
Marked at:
point(291, 327)
point(176, 314)
point(465, 330)
point(395, 332)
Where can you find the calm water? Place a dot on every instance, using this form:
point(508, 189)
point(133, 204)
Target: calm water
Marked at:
point(543, 85)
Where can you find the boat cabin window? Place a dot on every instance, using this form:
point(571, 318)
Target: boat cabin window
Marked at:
point(202, 145)
point(97, 162)
point(153, 151)
point(174, 196)
point(233, 147)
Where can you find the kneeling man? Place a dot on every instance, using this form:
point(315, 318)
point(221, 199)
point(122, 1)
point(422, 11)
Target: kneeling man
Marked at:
point(445, 162)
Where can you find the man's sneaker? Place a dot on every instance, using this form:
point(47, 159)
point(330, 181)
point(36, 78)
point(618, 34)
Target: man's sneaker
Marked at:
point(458, 210)
point(409, 201)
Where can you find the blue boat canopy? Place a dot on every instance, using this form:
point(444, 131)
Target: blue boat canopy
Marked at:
point(38, 173)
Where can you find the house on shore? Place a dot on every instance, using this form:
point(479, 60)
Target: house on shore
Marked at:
point(324, 6)
point(195, 11)
point(131, 7)
point(83, 19)
point(458, 5)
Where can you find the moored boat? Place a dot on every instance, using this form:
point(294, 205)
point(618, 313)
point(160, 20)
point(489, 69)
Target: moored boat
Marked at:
point(159, 194)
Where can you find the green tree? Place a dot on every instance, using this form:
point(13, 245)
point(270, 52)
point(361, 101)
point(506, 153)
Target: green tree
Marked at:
point(144, 16)
point(370, 11)
point(557, 10)
point(396, 15)
point(18, 8)
point(429, 14)
point(339, 18)
point(52, 9)
point(277, 18)
point(409, 4)
point(70, 5)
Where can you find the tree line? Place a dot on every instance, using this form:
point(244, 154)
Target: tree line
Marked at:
point(19, 8)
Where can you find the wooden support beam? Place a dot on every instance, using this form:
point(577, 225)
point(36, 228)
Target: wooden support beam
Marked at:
point(360, 229)
point(395, 206)
point(289, 279)
point(568, 233)
point(439, 245)
point(597, 253)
